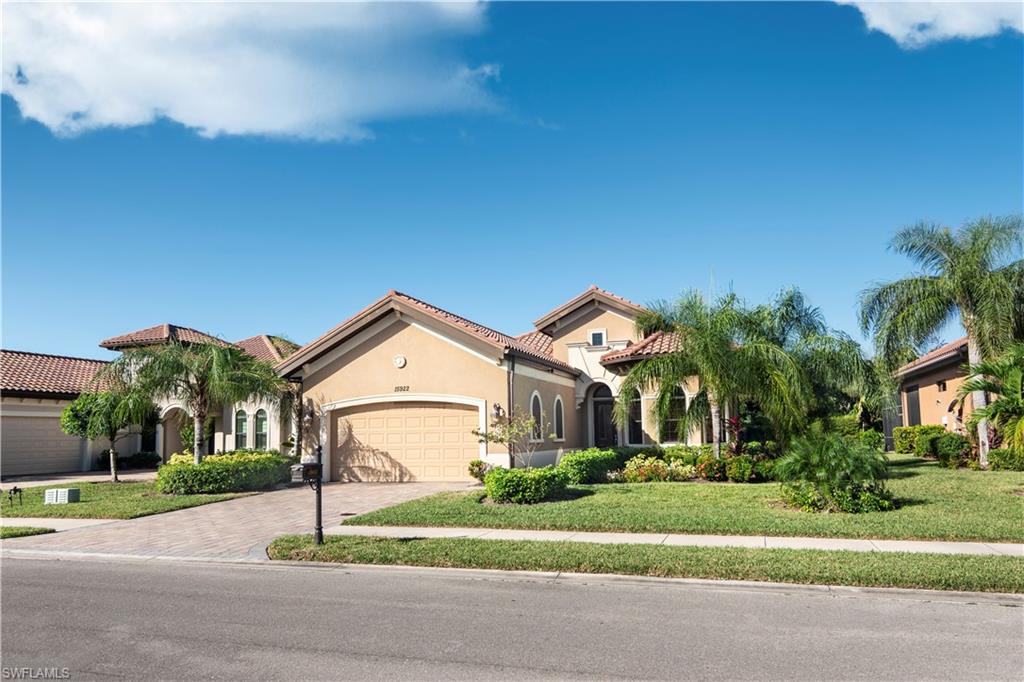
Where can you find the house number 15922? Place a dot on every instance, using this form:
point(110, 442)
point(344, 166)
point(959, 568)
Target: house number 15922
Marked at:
point(401, 389)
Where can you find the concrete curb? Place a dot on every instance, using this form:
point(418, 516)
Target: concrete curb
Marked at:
point(951, 596)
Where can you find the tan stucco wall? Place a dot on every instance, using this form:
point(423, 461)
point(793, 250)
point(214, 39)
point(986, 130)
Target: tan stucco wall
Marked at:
point(575, 420)
point(434, 366)
point(934, 403)
point(619, 328)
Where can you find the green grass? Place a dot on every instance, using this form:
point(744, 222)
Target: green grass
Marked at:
point(935, 504)
point(21, 531)
point(872, 569)
point(106, 501)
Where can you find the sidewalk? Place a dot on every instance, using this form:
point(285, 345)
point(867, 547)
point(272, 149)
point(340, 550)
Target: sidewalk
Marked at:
point(758, 541)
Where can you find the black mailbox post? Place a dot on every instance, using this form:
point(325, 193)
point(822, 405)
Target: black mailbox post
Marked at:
point(311, 473)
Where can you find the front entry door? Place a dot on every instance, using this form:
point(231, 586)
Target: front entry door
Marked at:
point(604, 428)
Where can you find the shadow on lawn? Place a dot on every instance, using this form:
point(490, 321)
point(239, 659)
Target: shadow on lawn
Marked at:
point(907, 468)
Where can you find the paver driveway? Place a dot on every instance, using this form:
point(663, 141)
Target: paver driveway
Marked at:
point(238, 528)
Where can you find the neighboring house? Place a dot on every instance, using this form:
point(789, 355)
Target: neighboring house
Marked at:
point(396, 390)
point(244, 425)
point(928, 388)
point(35, 388)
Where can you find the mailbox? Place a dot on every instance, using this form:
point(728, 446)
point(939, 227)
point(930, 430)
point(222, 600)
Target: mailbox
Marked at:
point(306, 472)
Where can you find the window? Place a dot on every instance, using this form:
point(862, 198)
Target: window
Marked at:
point(596, 337)
point(559, 419)
point(261, 429)
point(668, 432)
point(636, 421)
point(241, 427)
point(538, 418)
point(942, 386)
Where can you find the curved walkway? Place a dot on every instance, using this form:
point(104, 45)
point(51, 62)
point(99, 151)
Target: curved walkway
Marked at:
point(759, 541)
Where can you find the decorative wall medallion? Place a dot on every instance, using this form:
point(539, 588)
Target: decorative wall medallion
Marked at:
point(399, 361)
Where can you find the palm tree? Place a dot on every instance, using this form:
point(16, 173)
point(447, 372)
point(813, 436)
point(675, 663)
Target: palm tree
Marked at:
point(203, 376)
point(974, 274)
point(711, 344)
point(1002, 377)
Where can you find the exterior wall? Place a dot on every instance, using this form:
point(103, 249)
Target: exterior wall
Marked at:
point(548, 386)
point(436, 368)
point(936, 404)
point(573, 328)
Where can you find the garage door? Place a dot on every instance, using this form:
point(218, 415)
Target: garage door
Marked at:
point(404, 441)
point(36, 445)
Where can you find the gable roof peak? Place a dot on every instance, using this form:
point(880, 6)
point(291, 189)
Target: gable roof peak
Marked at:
point(592, 293)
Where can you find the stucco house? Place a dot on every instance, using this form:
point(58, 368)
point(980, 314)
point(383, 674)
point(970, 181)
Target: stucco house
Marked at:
point(928, 388)
point(395, 391)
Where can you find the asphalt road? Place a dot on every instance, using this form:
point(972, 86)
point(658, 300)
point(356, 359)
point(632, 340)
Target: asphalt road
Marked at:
point(176, 620)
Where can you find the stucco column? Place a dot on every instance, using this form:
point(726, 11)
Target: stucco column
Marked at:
point(160, 439)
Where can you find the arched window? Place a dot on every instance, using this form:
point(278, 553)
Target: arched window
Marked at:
point(241, 428)
point(636, 421)
point(537, 412)
point(668, 432)
point(559, 419)
point(261, 429)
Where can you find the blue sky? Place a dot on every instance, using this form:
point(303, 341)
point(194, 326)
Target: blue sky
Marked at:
point(495, 164)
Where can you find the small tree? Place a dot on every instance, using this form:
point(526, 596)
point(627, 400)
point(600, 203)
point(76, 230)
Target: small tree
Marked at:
point(107, 414)
point(519, 432)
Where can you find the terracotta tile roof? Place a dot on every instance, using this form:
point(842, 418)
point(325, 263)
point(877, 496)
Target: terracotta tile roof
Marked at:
point(539, 340)
point(947, 351)
point(657, 343)
point(502, 342)
point(161, 333)
point(592, 292)
point(40, 374)
point(272, 349)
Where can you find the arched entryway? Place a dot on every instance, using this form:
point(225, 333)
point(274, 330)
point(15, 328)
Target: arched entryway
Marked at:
point(169, 432)
point(603, 433)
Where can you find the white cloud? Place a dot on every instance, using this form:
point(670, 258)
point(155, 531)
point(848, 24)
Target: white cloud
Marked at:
point(318, 71)
point(915, 24)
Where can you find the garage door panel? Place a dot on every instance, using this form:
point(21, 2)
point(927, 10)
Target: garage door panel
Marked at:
point(36, 445)
point(415, 441)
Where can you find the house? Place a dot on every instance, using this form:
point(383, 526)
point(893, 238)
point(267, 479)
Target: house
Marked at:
point(928, 388)
point(36, 387)
point(395, 392)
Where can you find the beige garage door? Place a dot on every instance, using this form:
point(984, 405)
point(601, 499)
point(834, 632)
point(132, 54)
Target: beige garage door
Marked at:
point(404, 441)
point(36, 445)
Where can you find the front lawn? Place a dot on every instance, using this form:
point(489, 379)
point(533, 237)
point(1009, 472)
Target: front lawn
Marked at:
point(929, 571)
point(21, 531)
point(106, 501)
point(935, 504)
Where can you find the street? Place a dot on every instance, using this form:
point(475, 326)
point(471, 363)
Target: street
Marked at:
point(175, 620)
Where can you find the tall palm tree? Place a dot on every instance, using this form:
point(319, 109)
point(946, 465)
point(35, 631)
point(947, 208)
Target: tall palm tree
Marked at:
point(973, 274)
point(711, 344)
point(203, 376)
point(1003, 377)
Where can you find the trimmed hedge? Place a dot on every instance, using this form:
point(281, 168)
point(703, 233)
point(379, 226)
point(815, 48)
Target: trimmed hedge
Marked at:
point(1004, 459)
point(524, 486)
point(588, 466)
point(952, 449)
point(904, 438)
point(873, 439)
point(228, 473)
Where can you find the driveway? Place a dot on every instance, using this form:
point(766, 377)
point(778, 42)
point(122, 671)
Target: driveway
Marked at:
point(239, 528)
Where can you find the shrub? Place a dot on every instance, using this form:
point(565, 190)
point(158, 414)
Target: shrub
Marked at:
point(524, 486)
point(140, 460)
point(226, 473)
point(616, 477)
point(678, 471)
point(588, 466)
point(478, 469)
point(710, 468)
point(687, 454)
point(642, 469)
point(754, 448)
point(739, 469)
point(952, 449)
point(847, 425)
point(904, 438)
point(763, 469)
point(843, 474)
point(924, 444)
point(872, 439)
point(624, 454)
point(852, 499)
point(1005, 459)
